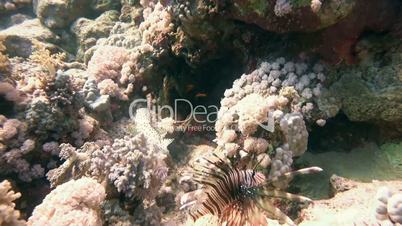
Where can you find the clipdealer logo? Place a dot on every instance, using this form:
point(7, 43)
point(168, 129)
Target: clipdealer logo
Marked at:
point(203, 116)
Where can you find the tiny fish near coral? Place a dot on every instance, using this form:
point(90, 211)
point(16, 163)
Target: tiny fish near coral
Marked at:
point(238, 196)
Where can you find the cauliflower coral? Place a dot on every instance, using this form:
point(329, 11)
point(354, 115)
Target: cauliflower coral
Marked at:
point(76, 202)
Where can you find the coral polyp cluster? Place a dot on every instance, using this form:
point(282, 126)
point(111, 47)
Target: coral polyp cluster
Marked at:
point(263, 116)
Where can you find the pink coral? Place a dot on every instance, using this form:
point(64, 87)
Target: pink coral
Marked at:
point(10, 92)
point(76, 202)
point(107, 62)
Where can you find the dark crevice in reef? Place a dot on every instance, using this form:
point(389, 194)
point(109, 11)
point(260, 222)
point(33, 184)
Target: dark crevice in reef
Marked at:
point(6, 107)
point(33, 195)
point(340, 133)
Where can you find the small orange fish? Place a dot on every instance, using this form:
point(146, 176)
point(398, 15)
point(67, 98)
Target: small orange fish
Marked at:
point(189, 87)
point(201, 95)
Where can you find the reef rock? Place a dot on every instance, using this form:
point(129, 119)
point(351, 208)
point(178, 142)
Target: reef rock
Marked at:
point(60, 13)
point(89, 31)
point(371, 90)
point(7, 6)
point(288, 15)
point(19, 38)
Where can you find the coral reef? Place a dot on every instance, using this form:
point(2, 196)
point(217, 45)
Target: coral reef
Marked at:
point(15, 146)
point(8, 215)
point(20, 39)
point(287, 94)
point(307, 15)
point(369, 91)
point(76, 202)
point(113, 214)
point(135, 166)
point(60, 13)
point(71, 73)
point(89, 31)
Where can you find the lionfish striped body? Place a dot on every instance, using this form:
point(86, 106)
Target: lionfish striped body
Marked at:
point(239, 197)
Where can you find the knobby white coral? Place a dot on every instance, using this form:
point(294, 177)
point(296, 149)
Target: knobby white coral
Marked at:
point(264, 114)
point(388, 209)
point(77, 202)
point(8, 215)
point(282, 7)
point(157, 23)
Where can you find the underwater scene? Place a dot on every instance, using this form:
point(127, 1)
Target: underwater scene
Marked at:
point(200, 112)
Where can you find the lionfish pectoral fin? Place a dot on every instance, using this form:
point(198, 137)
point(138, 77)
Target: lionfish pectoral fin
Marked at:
point(286, 195)
point(186, 205)
point(276, 212)
point(303, 171)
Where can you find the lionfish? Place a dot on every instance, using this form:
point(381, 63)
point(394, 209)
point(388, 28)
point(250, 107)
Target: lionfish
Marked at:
point(240, 197)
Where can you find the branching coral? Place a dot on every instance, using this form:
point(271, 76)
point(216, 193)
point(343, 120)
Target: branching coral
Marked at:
point(286, 94)
point(135, 166)
point(8, 215)
point(49, 61)
point(15, 145)
point(76, 202)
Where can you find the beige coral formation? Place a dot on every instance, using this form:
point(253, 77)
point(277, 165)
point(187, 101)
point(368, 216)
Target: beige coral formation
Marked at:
point(388, 209)
point(32, 76)
point(157, 23)
point(356, 206)
point(10, 92)
point(8, 215)
point(74, 203)
point(4, 62)
point(117, 70)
